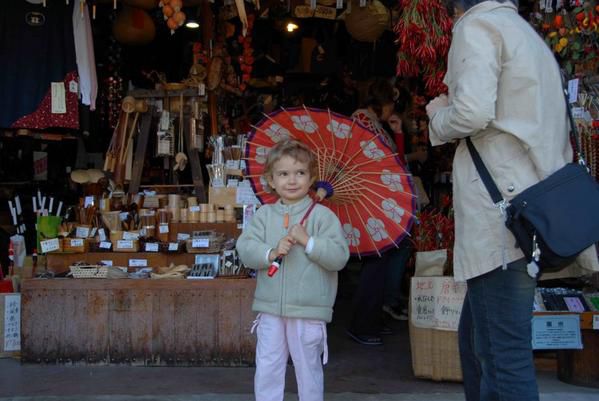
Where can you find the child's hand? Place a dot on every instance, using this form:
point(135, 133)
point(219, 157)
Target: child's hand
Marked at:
point(299, 234)
point(283, 247)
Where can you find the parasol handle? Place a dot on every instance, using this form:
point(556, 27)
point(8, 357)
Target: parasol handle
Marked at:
point(274, 266)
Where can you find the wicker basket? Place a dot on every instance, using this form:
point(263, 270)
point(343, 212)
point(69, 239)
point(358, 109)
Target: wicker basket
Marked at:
point(89, 271)
point(435, 354)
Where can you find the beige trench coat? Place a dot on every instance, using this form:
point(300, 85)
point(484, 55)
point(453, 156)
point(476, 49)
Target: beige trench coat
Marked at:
point(505, 92)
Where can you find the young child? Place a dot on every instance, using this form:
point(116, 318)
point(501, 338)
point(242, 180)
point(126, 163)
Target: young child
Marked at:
point(294, 304)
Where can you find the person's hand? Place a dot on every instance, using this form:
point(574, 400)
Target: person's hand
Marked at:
point(299, 234)
point(419, 155)
point(437, 103)
point(282, 248)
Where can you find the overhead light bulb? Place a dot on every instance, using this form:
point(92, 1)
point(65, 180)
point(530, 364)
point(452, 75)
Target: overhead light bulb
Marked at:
point(291, 26)
point(192, 24)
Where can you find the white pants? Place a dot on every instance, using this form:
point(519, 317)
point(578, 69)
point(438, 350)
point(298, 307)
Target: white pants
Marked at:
point(305, 340)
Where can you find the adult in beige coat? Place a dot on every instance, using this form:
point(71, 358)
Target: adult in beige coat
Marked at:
point(505, 93)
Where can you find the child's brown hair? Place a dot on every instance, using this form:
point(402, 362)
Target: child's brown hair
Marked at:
point(294, 149)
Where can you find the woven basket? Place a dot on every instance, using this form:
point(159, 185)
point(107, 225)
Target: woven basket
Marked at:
point(89, 271)
point(435, 354)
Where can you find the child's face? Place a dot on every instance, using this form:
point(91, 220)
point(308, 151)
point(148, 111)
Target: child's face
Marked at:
point(394, 123)
point(290, 179)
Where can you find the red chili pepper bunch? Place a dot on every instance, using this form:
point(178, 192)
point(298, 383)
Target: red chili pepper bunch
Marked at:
point(433, 230)
point(246, 60)
point(423, 34)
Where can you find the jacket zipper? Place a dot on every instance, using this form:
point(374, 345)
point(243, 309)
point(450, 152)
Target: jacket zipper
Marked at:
point(282, 268)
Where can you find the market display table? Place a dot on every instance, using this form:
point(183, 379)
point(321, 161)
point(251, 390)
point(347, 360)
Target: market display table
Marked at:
point(140, 322)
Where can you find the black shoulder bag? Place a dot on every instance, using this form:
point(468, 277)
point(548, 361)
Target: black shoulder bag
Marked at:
point(557, 218)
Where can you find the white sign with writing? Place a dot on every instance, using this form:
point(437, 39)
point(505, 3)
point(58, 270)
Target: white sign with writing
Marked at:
point(50, 245)
point(124, 244)
point(200, 243)
point(173, 246)
point(245, 195)
point(163, 228)
point(182, 236)
point(130, 235)
point(151, 247)
point(12, 322)
point(105, 245)
point(138, 262)
point(81, 232)
point(106, 262)
point(76, 242)
point(436, 302)
point(556, 332)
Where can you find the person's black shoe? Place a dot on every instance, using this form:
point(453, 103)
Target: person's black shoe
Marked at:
point(395, 312)
point(386, 331)
point(365, 339)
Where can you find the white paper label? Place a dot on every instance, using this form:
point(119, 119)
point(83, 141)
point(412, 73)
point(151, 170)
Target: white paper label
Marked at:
point(50, 245)
point(595, 322)
point(245, 196)
point(105, 245)
point(127, 235)
point(102, 234)
point(106, 262)
point(200, 243)
point(58, 100)
point(73, 87)
point(202, 89)
point(173, 246)
point(163, 228)
point(138, 262)
point(573, 90)
point(12, 322)
point(76, 242)
point(93, 231)
point(123, 216)
point(124, 244)
point(164, 121)
point(194, 209)
point(89, 201)
point(151, 247)
point(182, 236)
point(232, 164)
point(82, 232)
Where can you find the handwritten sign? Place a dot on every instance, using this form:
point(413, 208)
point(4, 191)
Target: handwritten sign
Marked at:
point(200, 243)
point(173, 246)
point(151, 247)
point(436, 302)
point(50, 245)
point(81, 232)
point(163, 228)
point(12, 322)
point(245, 196)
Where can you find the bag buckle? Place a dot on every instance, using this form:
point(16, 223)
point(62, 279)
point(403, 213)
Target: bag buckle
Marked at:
point(502, 206)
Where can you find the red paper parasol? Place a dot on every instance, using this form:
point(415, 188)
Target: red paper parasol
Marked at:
point(372, 194)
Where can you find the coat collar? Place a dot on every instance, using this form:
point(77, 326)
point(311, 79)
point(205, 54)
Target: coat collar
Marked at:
point(294, 209)
point(484, 7)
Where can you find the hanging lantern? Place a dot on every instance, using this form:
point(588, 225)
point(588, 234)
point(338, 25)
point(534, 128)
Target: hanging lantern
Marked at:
point(367, 24)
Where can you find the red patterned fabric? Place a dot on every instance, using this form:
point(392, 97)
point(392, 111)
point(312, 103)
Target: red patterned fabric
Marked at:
point(43, 118)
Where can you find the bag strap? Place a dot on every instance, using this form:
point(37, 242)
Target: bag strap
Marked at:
point(483, 172)
point(573, 129)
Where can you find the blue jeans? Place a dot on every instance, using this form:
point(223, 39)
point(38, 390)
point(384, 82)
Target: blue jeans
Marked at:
point(396, 267)
point(495, 336)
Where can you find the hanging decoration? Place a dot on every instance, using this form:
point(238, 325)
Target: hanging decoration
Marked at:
point(171, 10)
point(367, 23)
point(423, 34)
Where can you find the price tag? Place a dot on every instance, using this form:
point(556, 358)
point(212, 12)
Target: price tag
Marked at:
point(102, 234)
point(138, 262)
point(123, 216)
point(573, 90)
point(105, 245)
point(182, 236)
point(151, 247)
point(232, 164)
point(194, 209)
point(173, 246)
point(124, 244)
point(163, 228)
point(82, 232)
point(76, 242)
point(200, 243)
point(202, 89)
point(127, 235)
point(93, 231)
point(89, 201)
point(595, 322)
point(50, 245)
point(106, 262)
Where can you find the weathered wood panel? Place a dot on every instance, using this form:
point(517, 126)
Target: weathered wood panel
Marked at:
point(149, 322)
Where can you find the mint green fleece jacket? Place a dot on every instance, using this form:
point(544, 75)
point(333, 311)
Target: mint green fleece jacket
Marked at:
point(306, 284)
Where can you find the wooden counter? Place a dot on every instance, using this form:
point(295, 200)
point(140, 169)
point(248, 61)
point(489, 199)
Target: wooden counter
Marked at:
point(140, 322)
